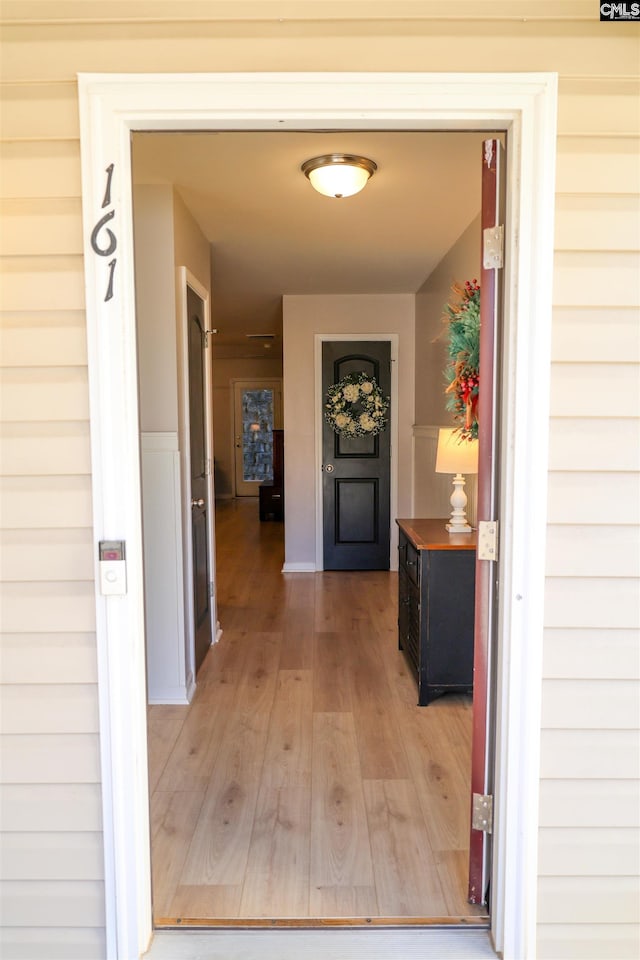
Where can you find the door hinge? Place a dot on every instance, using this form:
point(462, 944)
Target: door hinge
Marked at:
point(207, 467)
point(487, 540)
point(207, 334)
point(493, 247)
point(482, 814)
point(211, 589)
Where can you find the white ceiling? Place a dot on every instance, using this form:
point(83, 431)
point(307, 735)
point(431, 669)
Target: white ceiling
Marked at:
point(272, 234)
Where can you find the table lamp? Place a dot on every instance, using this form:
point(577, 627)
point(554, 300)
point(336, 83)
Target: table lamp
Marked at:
point(457, 456)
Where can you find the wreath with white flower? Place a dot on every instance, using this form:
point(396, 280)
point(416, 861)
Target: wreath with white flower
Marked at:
point(356, 406)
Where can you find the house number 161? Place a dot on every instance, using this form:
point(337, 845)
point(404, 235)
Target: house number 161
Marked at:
point(108, 245)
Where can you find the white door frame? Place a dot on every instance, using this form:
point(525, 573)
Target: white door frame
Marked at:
point(111, 107)
point(392, 339)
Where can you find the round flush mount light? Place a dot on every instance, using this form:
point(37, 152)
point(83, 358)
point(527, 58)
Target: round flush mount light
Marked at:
point(338, 174)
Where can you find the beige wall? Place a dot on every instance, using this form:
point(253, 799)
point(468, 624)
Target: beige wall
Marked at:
point(462, 262)
point(191, 248)
point(156, 308)
point(589, 788)
point(303, 317)
point(166, 238)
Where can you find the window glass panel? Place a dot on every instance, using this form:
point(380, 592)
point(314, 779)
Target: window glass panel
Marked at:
point(257, 435)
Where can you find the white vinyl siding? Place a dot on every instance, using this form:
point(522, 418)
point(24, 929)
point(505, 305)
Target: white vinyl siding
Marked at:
point(589, 844)
point(52, 893)
point(51, 849)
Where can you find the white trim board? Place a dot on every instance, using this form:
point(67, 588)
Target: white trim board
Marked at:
point(524, 105)
point(409, 944)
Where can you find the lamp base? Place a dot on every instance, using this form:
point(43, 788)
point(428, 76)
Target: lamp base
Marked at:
point(458, 528)
point(458, 520)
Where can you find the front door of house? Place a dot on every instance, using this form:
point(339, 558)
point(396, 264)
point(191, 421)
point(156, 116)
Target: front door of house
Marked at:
point(356, 469)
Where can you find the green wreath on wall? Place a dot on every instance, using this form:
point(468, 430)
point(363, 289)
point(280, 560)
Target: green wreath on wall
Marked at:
point(462, 373)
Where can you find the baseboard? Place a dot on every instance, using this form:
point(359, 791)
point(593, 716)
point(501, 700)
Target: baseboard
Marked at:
point(178, 696)
point(299, 568)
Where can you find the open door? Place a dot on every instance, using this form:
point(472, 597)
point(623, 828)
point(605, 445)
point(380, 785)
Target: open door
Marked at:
point(201, 566)
point(493, 190)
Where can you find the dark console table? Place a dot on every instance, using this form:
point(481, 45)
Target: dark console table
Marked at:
point(436, 596)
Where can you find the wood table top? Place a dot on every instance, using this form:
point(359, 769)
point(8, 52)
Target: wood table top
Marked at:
point(429, 534)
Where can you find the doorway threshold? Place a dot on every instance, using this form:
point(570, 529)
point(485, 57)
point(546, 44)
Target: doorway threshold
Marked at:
point(410, 943)
point(319, 923)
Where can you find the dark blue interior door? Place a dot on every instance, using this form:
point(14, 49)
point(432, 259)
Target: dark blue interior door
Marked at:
point(356, 470)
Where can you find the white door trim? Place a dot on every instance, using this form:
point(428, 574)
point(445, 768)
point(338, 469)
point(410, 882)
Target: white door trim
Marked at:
point(111, 106)
point(393, 339)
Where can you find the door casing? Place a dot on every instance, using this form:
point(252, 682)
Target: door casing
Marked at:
point(111, 107)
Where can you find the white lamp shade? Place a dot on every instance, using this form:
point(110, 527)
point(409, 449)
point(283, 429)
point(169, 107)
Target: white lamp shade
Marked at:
point(456, 454)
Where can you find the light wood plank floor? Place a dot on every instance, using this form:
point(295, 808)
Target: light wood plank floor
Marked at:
point(303, 782)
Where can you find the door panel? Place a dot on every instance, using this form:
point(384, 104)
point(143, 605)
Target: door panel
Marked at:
point(356, 470)
point(493, 208)
point(356, 511)
point(200, 519)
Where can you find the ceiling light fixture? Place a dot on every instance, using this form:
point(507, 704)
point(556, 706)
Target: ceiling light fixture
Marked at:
point(338, 174)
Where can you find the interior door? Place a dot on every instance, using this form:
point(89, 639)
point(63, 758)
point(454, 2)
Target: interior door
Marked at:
point(356, 470)
point(202, 580)
point(493, 209)
point(257, 413)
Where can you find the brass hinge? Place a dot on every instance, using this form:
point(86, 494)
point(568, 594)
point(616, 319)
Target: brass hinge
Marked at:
point(487, 540)
point(493, 247)
point(482, 814)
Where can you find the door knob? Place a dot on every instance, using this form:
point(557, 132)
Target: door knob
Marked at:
point(197, 503)
point(329, 468)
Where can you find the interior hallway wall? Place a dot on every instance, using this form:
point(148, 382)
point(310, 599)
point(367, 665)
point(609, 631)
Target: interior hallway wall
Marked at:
point(166, 238)
point(462, 262)
point(303, 317)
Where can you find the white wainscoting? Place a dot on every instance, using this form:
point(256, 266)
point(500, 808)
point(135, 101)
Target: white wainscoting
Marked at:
point(167, 678)
point(431, 490)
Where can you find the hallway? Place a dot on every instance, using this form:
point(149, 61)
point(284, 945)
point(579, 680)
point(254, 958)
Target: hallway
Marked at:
point(303, 782)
